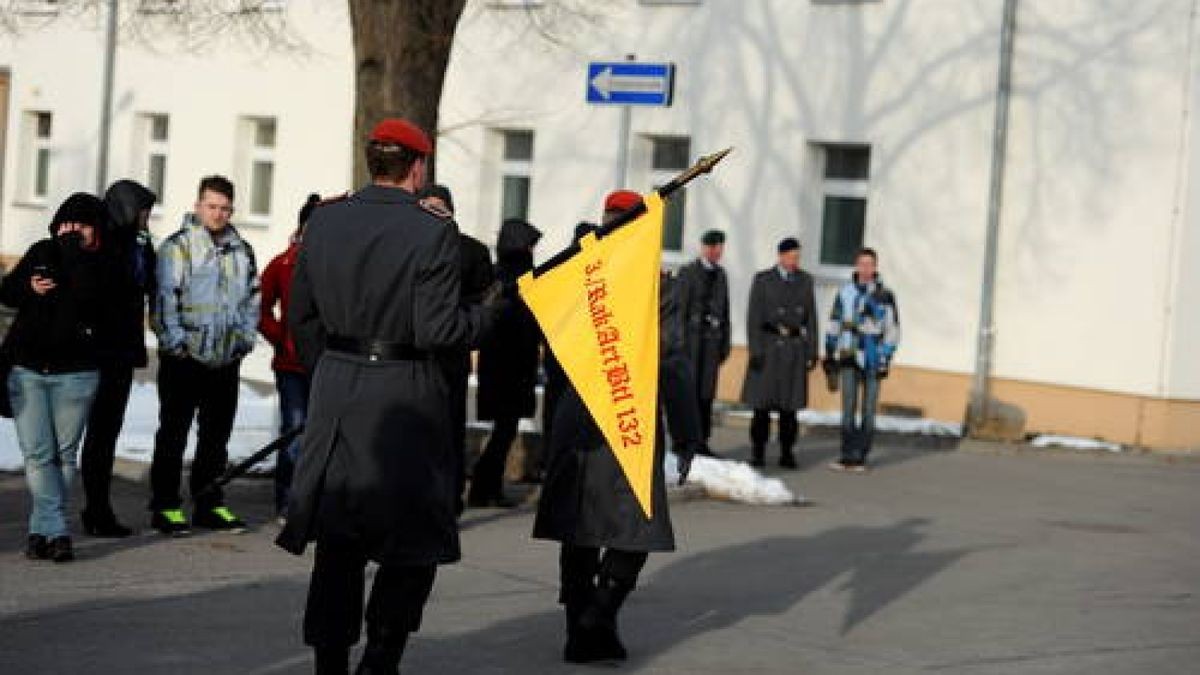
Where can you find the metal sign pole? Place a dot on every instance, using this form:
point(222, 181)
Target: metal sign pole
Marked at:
point(623, 132)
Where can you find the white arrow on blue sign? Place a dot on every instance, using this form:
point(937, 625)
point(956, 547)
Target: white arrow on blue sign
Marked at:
point(630, 83)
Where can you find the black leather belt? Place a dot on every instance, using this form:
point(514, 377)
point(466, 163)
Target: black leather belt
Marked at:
point(784, 330)
point(375, 350)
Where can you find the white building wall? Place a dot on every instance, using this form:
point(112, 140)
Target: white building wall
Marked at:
point(1096, 141)
point(1094, 175)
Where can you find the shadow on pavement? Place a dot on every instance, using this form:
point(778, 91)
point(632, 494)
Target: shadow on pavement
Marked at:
point(715, 590)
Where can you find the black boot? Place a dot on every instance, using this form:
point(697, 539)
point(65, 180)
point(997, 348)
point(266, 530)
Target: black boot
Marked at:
point(61, 550)
point(600, 620)
point(758, 454)
point(382, 658)
point(37, 548)
point(332, 660)
point(580, 646)
point(104, 524)
point(787, 460)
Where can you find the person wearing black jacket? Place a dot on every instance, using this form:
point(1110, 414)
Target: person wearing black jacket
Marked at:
point(587, 504)
point(128, 245)
point(508, 367)
point(477, 276)
point(60, 290)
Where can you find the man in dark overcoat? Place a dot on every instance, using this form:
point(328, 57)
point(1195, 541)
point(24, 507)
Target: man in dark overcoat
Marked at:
point(588, 505)
point(704, 302)
point(781, 332)
point(375, 299)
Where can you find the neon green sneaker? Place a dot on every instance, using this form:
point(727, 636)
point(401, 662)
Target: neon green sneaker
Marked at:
point(171, 522)
point(218, 518)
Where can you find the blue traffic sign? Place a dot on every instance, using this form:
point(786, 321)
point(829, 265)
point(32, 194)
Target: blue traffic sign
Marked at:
point(630, 83)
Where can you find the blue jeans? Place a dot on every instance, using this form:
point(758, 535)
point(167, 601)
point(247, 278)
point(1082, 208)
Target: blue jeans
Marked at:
point(50, 412)
point(293, 411)
point(857, 437)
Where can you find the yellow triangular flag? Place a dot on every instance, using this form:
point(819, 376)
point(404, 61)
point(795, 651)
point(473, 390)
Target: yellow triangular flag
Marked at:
point(599, 312)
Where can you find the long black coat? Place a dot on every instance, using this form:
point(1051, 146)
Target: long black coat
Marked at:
point(704, 301)
point(135, 264)
point(777, 377)
point(378, 463)
point(586, 500)
point(509, 354)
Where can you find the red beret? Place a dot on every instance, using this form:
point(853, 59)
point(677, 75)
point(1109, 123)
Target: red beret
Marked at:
point(402, 132)
point(622, 200)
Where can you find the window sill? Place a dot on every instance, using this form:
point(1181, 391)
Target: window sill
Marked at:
point(255, 222)
point(31, 205)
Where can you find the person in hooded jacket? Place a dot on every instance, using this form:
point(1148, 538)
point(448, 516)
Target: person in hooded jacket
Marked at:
point(127, 243)
point(291, 382)
point(61, 291)
point(508, 367)
point(587, 503)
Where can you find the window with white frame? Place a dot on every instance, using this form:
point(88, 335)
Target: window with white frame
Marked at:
point(844, 190)
point(153, 132)
point(258, 165)
point(670, 155)
point(37, 128)
point(516, 168)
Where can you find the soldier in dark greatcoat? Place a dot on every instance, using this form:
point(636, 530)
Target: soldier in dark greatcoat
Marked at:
point(781, 329)
point(704, 302)
point(375, 298)
point(588, 505)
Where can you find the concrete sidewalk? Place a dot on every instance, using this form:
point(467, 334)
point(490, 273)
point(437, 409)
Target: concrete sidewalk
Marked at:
point(960, 562)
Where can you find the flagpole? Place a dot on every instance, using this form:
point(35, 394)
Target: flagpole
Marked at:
point(702, 166)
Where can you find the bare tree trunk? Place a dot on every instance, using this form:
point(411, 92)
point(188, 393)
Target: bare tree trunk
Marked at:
point(401, 50)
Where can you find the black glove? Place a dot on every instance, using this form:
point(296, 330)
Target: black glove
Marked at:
point(756, 362)
point(811, 365)
point(882, 371)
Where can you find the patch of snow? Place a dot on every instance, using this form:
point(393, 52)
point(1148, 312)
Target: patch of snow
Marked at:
point(885, 423)
point(731, 481)
point(1074, 443)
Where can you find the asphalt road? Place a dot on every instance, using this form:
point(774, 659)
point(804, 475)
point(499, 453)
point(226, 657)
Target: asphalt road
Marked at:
point(970, 561)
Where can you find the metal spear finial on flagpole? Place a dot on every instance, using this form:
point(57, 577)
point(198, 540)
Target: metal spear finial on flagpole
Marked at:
point(702, 166)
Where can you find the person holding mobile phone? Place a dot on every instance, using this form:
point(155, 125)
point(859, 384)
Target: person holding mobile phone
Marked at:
point(61, 291)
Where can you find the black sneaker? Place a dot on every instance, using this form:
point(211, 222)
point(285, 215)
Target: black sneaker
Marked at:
point(60, 550)
point(171, 522)
point(37, 548)
point(218, 518)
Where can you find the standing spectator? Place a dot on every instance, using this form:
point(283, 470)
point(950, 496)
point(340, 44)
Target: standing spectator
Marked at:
point(127, 243)
point(704, 300)
point(864, 332)
point(508, 367)
point(206, 316)
point(60, 290)
point(781, 328)
point(477, 276)
point(290, 379)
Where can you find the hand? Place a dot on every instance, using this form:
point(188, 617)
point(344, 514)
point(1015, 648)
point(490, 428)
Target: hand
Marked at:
point(811, 365)
point(756, 362)
point(882, 371)
point(41, 285)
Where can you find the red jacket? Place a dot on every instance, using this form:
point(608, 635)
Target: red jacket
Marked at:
point(276, 287)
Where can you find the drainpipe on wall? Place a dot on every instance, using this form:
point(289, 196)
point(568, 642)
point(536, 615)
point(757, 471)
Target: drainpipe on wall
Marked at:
point(981, 408)
point(106, 97)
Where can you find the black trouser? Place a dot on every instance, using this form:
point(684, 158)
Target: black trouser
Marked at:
point(487, 480)
point(334, 613)
point(760, 429)
point(581, 566)
point(100, 445)
point(185, 387)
